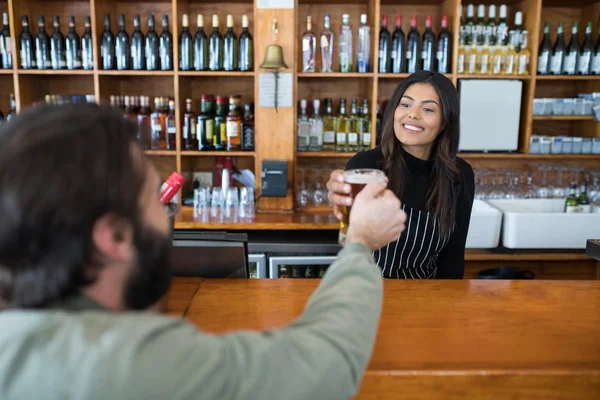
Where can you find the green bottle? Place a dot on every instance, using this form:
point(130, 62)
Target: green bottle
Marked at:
point(583, 200)
point(572, 204)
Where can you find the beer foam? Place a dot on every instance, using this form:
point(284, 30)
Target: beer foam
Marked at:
point(364, 178)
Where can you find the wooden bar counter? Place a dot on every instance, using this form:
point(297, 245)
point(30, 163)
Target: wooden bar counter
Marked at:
point(438, 339)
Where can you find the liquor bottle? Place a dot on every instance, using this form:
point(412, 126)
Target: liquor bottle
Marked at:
point(326, 45)
point(72, 49)
point(246, 59)
point(27, 46)
point(234, 126)
point(122, 46)
point(572, 205)
point(444, 49)
point(518, 29)
point(492, 28)
point(346, 45)
point(152, 47)
point(107, 46)
point(398, 53)
point(558, 52)
point(166, 46)
point(230, 50)
point(189, 127)
point(461, 63)
point(471, 59)
point(364, 45)
point(413, 48)
point(216, 47)
point(353, 141)
point(385, 47)
point(364, 129)
point(503, 27)
point(583, 200)
point(479, 27)
point(138, 51)
point(158, 126)
point(378, 124)
point(206, 125)
point(248, 128)
point(6, 61)
point(309, 43)
point(87, 58)
point(469, 26)
point(200, 53)
point(328, 127)
point(572, 55)
point(428, 53)
point(316, 128)
point(303, 128)
point(13, 108)
point(220, 136)
point(510, 57)
point(42, 46)
point(485, 56)
point(497, 67)
point(57, 47)
point(524, 55)
point(595, 68)
point(545, 52)
point(128, 109)
point(587, 50)
point(144, 130)
point(342, 128)
point(171, 127)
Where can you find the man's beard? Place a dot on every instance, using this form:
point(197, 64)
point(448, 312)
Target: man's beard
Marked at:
point(151, 273)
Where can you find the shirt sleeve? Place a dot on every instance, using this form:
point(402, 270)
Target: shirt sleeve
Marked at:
point(321, 355)
point(451, 261)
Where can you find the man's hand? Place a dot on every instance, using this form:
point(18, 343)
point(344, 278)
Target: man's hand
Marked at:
point(376, 218)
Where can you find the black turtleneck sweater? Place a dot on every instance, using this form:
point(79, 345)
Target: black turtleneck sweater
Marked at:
point(420, 252)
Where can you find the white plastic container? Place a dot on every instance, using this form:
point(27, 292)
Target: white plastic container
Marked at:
point(542, 224)
point(484, 229)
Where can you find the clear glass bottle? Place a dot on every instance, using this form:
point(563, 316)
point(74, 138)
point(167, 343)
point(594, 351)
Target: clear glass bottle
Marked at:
point(303, 128)
point(346, 55)
point(326, 42)
point(461, 63)
point(171, 127)
point(353, 139)
point(144, 131)
point(234, 126)
point(497, 67)
point(328, 127)
point(342, 128)
point(316, 128)
point(365, 127)
point(510, 58)
point(309, 47)
point(364, 45)
point(158, 126)
point(189, 127)
point(485, 56)
point(471, 59)
point(524, 56)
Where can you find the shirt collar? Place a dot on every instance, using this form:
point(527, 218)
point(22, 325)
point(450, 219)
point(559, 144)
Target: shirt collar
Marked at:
point(78, 303)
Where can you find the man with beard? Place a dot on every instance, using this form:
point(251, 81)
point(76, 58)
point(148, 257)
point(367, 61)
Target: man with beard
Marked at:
point(84, 250)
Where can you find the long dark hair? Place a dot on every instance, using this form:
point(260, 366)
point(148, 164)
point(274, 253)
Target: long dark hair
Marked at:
point(444, 181)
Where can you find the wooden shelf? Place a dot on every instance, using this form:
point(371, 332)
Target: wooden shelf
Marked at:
point(193, 153)
point(513, 77)
point(402, 76)
point(160, 152)
point(335, 75)
point(216, 73)
point(6, 71)
point(513, 156)
point(55, 72)
point(568, 77)
point(324, 154)
point(563, 118)
point(135, 73)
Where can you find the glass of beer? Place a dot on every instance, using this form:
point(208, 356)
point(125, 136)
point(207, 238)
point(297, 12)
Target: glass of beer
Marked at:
point(357, 179)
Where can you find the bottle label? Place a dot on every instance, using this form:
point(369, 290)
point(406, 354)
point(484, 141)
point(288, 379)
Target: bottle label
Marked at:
point(408, 54)
point(7, 47)
point(543, 63)
point(24, 63)
point(596, 64)
point(352, 138)
point(315, 141)
point(497, 64)
point(472, 63)
point(556, 63)
point(585, 208)
point(232, 129)
point(306, 44)
point(510, 64)
point(329, 137)
point(484, 64)
point(571, 209)
point(523, 63)
point(172, 130)
point(570, 63)
point(341, 138)
point(366, 139)
point(193, 131)
point(584, 63)
point(156, 128)
point(186, 130)
point(344, 60)
point(223, 133)
point(461, 63)
point(324, 41)
point(210, 129)
point(424, 55)
point(440, 54)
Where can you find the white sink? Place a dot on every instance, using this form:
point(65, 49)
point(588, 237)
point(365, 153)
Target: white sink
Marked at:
point(543, 224)
point(484, 229)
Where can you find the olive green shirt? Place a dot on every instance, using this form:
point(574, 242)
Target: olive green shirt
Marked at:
point(80, 351)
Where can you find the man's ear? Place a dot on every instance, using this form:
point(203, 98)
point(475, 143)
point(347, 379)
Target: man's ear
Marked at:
point(113, 237)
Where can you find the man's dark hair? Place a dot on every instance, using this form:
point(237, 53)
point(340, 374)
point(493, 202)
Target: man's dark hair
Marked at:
point(61, 168)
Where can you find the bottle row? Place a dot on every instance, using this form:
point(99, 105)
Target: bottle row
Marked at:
point(11, 113)
point(397, 53)
point(578, 200)
point(497, 59)
point(569, 60)
point(335, 132)
point(493, 31)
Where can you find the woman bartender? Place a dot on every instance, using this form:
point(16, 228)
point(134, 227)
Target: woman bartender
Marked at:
point(418, 154)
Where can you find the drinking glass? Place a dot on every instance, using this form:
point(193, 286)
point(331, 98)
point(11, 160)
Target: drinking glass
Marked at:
point(232, 200)
point(319, 196)
point(358, 179)
point(246, 202)
point(201, 202)
point(303, 195)
point(216, 202)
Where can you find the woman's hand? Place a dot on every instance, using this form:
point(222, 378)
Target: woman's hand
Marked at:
point(339, 192)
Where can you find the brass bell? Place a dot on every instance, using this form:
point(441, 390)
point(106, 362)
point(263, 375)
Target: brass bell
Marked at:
point(274, 58)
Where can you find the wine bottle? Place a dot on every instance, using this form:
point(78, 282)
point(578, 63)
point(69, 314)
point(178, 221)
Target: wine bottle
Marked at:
point(27, 46)
point(42, 46)
point(385, 47)
point(57, 47)
point(87, 58)
point(398, 53)
point(186, 56)
point(108, 46)
point(73, 51)
point(138, 52)
point(200, 47)
point(215, 47)
point(558, 52)
point(122, 46)
point(6, 61)
point(587, 50)
point(572, 56)
point(152, 47)
point(595, 69)
point(166, 46)
point(444, 49)
point(230, 50)
point(246, 59)
point(413, 50)
point(428, 54)
point(545, 52)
